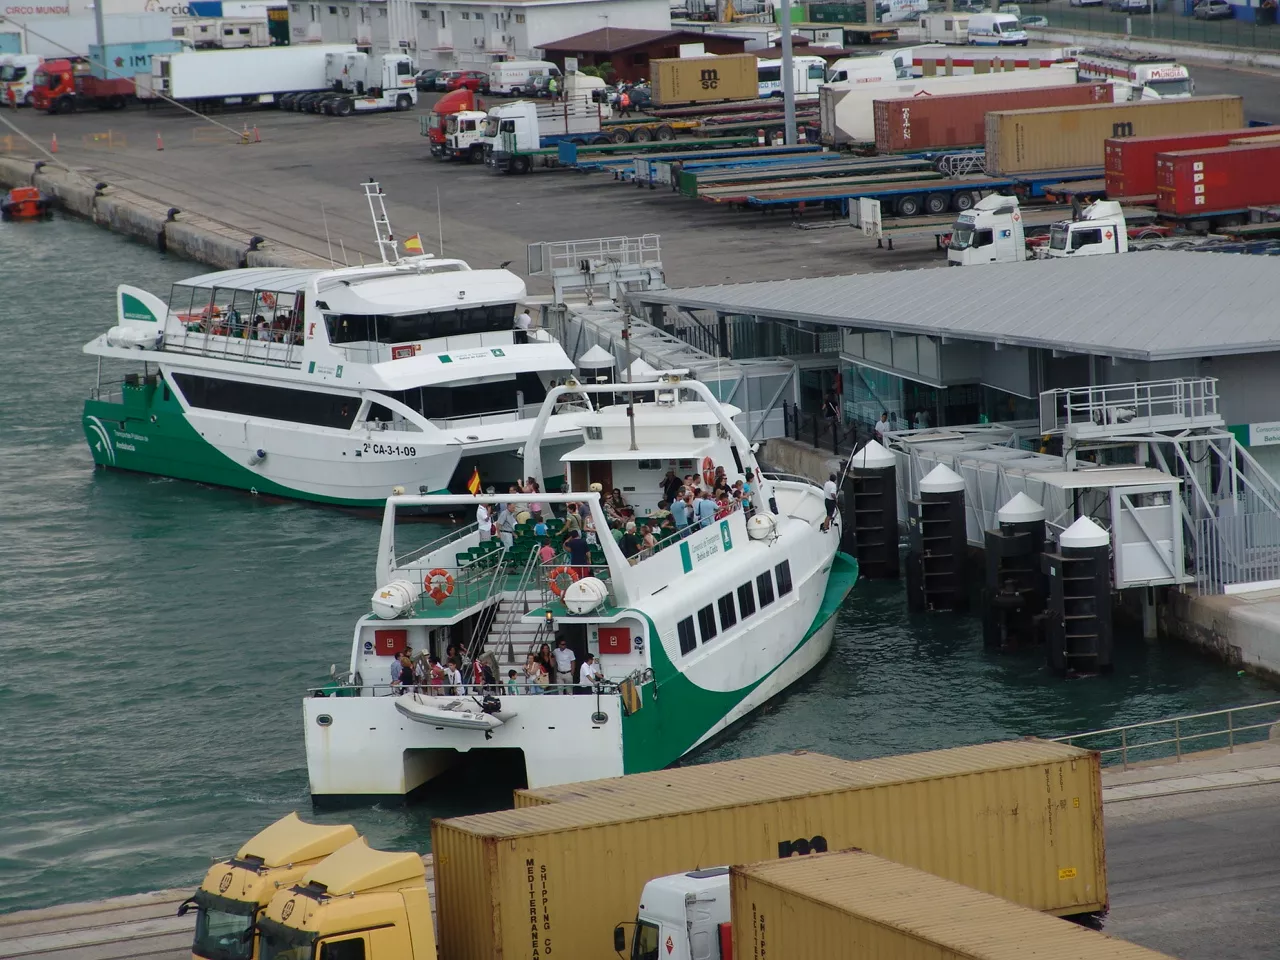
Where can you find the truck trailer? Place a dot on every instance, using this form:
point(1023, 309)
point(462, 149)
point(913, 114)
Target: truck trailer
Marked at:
point(251, 75)
point(1144, 76)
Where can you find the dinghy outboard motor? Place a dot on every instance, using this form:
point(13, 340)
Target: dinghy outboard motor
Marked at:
point(490, 705)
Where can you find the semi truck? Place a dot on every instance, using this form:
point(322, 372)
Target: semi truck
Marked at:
point(807, 74)
point(251, 75)
point(847, 114)
point(434, 126)
point(236, 890)
point(994, 231)
point(17, 78)
point(1144, 76)
point(363, 83)
point(67, 85)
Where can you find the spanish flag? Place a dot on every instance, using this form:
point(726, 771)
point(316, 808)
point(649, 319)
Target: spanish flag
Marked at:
point(473, 485)
point(413, 244)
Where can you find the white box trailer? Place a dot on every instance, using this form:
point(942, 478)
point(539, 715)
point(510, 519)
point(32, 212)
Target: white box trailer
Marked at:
point(847, 116)
point(253, 74)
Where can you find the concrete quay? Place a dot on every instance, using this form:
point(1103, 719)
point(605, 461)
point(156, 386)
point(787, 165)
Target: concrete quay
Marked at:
point(1193, 862)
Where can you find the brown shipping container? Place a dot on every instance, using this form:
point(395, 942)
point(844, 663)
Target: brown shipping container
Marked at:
point(959, 120)
point(704, 79)
point(1072, 138)
point(1022, 820)
point(854, 904)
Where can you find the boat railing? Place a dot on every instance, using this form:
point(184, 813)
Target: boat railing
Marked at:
point(458, 533)
point(245, 349)
point(361, 689)
point(506, 633)
point(789, 478)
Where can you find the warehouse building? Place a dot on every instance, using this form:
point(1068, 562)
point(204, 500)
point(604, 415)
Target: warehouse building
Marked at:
point(467, 34)
point(978, 344)
point(629, 52)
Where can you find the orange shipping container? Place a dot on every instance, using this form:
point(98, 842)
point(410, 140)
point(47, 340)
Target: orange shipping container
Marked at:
point(704, 79)
point(1022, 820)
point(1073, 138)
point(855, 905)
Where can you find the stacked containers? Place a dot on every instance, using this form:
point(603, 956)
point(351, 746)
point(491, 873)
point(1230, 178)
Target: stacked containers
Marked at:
point(853, 904)
point(1223, 180)
point(1022, 820)
point(1131, 161)
point(959, 120)
point(1072, 138)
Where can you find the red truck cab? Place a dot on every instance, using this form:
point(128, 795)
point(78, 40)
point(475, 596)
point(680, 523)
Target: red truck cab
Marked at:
point(60, 86)
point(450, 103)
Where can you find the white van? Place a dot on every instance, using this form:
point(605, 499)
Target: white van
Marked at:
point(996, 30)
point(809, 73)
point(515, 77)
point(880, 68)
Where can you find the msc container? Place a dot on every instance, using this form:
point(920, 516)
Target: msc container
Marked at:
point(960, 120)
point(1223, 180)
point(854, 904)
point(1072, 138)
point(1022, 820)
point(704, 79)
point(1131, 161)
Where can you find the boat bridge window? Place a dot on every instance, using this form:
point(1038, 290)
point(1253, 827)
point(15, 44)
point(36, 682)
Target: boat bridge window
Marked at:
point(728, 613)
point(268, 402)
point(707, 623)
point(445, 402)
point(746, 600)
point(688, 640)
point(361, 328)
point(702, 431)
point(764, 587)
point(783, 573)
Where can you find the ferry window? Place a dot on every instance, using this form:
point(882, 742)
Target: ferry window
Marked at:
point(746, 600)
point(783, 572)
point(707, 623)
point(272, 403)
point(443, 403)
point(649, 464)
point(702, 431)
point(728, 613)
point(379, 414)
point(688, 641)
point(357, 328)
point(343, 949)
point(764, 586)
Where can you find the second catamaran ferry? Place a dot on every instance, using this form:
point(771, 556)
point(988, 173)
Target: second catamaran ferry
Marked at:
point(333, 385)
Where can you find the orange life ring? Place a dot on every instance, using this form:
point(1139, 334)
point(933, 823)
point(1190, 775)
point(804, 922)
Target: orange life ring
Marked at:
point(439, 585)
point(553, 579)
point(269, 300)
point(709, 471)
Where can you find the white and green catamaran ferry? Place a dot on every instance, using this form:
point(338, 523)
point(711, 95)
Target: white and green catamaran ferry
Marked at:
point(690, 636)
point(333, 385)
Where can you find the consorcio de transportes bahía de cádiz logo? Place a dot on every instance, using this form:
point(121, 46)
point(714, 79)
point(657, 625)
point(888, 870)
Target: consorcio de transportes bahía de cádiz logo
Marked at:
point(131, 308)
point(102, 439)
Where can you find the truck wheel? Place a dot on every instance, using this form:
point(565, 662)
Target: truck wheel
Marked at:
point(66, 105)
point(344, 108)
point(404, 102)
point(600, 139)
point(909, 205)
point(664, 133)
point(116, 102)
point(520, 165)
point(643, 135)
point(477, 154)
point(962, 201)
point(620, 136)
point(936, 203)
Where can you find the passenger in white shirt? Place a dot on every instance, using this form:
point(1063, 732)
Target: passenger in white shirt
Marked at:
point(829, 495)
point(523, 323)
point(589, 675)
point(563, 659)
point(882, 426)
point(482, 520)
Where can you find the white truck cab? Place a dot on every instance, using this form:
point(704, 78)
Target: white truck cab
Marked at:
point(878, 68)
point(996, 30)
point(808, 73)
point(17, 78)
point(993, 231)
point(1100, 230)
point(462, 133)
point(682, 917)
point(1140, 76)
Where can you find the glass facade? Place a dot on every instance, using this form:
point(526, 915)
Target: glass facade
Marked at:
point(911, 404)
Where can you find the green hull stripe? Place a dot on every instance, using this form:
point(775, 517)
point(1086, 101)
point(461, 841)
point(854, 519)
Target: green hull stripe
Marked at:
point(665, 728)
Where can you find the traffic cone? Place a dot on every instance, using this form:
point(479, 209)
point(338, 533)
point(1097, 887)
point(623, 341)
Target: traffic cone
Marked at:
point(244, 134)
point(760, 137)
point(159, 142)
point(53, 147)
point(800, 137)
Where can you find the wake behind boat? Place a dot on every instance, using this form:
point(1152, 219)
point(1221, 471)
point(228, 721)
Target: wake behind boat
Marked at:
point(691, 632)
point(337, 386)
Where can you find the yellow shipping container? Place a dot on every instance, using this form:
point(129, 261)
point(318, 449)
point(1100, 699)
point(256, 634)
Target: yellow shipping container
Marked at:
point(1022, 820)
point(704, 79)
point(1072, 138)
point(857, 905)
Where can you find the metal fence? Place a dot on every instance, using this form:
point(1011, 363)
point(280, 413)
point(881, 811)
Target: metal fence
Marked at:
point(1177, 736)
point(1237, 549)
point(1168, 22)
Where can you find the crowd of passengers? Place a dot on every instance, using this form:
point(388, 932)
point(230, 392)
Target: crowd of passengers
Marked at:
point(555, 671)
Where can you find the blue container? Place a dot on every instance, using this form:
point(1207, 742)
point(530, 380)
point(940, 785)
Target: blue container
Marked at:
point(127, 59)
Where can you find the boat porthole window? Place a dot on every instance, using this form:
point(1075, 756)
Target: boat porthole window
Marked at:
point(324, 720)
point(599, 717)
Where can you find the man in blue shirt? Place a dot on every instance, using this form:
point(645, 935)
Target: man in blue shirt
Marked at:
point(680, 513)
point(704, 510)
point(579, 553)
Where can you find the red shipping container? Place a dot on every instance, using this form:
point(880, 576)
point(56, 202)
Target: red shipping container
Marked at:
point(960, 119)
point(1193, 183)
point(1131, 162)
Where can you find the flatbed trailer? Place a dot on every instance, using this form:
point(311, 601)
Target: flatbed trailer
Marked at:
point(800, 194)
point(652, 169)
point(695, 182)
point(763, 105)
point(567, 153)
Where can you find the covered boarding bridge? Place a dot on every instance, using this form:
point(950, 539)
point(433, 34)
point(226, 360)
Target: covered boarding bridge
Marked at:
point(1163, 361)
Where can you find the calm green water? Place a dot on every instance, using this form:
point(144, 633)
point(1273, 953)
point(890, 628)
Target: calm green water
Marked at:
point(155, 636)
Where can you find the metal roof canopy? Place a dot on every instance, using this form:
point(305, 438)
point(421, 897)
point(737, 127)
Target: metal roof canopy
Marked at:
point(1106, 478)
point(1155, 305)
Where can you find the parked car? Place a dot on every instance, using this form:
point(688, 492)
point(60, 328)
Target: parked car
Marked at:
point(1086, 3)
point(1131, 6)
point(1213, 10)
point(477, 81)
point(443, 78)
point(426, 80)
point(540, 88)
point(1035, 21)
point(639, 94)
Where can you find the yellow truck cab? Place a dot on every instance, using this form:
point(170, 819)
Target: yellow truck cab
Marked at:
point(235, 891)
point(359, 904)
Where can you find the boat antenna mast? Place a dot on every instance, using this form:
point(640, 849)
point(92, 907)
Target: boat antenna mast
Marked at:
point(381, 225)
